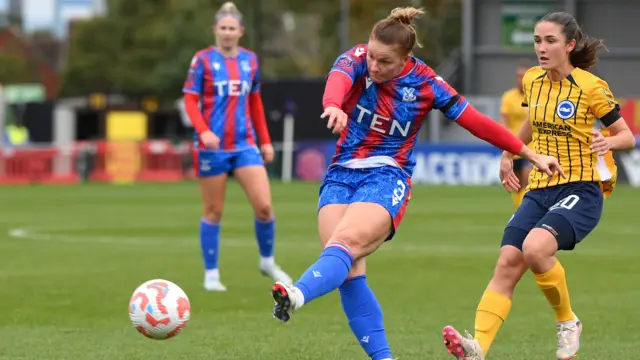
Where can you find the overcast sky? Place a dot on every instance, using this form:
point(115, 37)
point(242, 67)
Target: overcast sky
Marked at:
point(41, 13)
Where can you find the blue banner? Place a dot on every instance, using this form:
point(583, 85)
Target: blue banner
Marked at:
point(457, 164)
point(438, 164)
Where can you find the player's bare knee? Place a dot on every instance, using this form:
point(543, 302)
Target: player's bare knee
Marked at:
point(508, 270)
point(212, 213)
point(263, 212)
point(540, 245)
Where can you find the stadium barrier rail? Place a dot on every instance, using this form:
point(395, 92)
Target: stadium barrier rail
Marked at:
point(100, 161)
point(452, 164)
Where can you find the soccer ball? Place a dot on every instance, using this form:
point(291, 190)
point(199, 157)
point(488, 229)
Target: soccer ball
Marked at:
point(159, 309)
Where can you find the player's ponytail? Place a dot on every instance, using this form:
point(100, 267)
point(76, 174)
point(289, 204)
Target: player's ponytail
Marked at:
point(398, 29)
point(229, 9)
point(585, 53)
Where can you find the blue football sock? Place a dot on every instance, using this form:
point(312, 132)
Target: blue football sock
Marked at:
point(209, 242)
point(326, 274)
point(265, 233)
point(365, 317)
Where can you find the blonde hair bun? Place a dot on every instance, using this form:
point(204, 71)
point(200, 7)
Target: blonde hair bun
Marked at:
point(405, 15)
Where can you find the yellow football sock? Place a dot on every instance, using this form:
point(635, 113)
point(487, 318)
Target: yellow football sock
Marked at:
point(517, 198)
point(553, 284)
point(491, 313)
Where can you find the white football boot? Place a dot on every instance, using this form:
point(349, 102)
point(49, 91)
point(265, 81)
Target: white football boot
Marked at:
point(275, 273)
point(212, 281)
point(568, 338)
point(462, 347)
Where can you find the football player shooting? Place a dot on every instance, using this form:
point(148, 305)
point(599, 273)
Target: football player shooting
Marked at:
point(225, 80)
point(376, 97)
point(568, 107)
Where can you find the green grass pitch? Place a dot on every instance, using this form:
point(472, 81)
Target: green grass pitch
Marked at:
point(70, 257)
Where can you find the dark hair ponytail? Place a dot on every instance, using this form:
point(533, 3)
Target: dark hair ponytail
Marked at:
point(585, 53)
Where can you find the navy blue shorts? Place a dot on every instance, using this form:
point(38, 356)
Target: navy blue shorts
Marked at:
point(212, 163)
point(568, 211)
point(387, 186)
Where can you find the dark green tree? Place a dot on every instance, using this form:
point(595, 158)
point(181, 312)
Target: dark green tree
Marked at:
point(13, 69)
point(144, 48)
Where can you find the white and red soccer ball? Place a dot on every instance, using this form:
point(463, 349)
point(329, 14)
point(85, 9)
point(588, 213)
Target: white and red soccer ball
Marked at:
point(159, 309)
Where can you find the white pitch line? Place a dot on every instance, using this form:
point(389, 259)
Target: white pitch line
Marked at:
point(241, 242)
point(181, 244)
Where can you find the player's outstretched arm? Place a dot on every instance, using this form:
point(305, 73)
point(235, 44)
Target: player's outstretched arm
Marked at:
point(483, 127)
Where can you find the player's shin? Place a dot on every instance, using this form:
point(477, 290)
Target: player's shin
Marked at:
point(265, 234)
point(326, 274)
point(492, 310)
point(553, 284)
point(365, 317)
point(210, 242)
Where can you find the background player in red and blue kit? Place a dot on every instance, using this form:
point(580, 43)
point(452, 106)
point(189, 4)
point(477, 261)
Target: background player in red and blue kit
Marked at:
point(224, 79)
point(377, 96)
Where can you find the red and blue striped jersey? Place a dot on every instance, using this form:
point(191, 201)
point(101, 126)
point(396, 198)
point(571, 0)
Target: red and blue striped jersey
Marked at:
point(384, 119)
point(224, 84)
